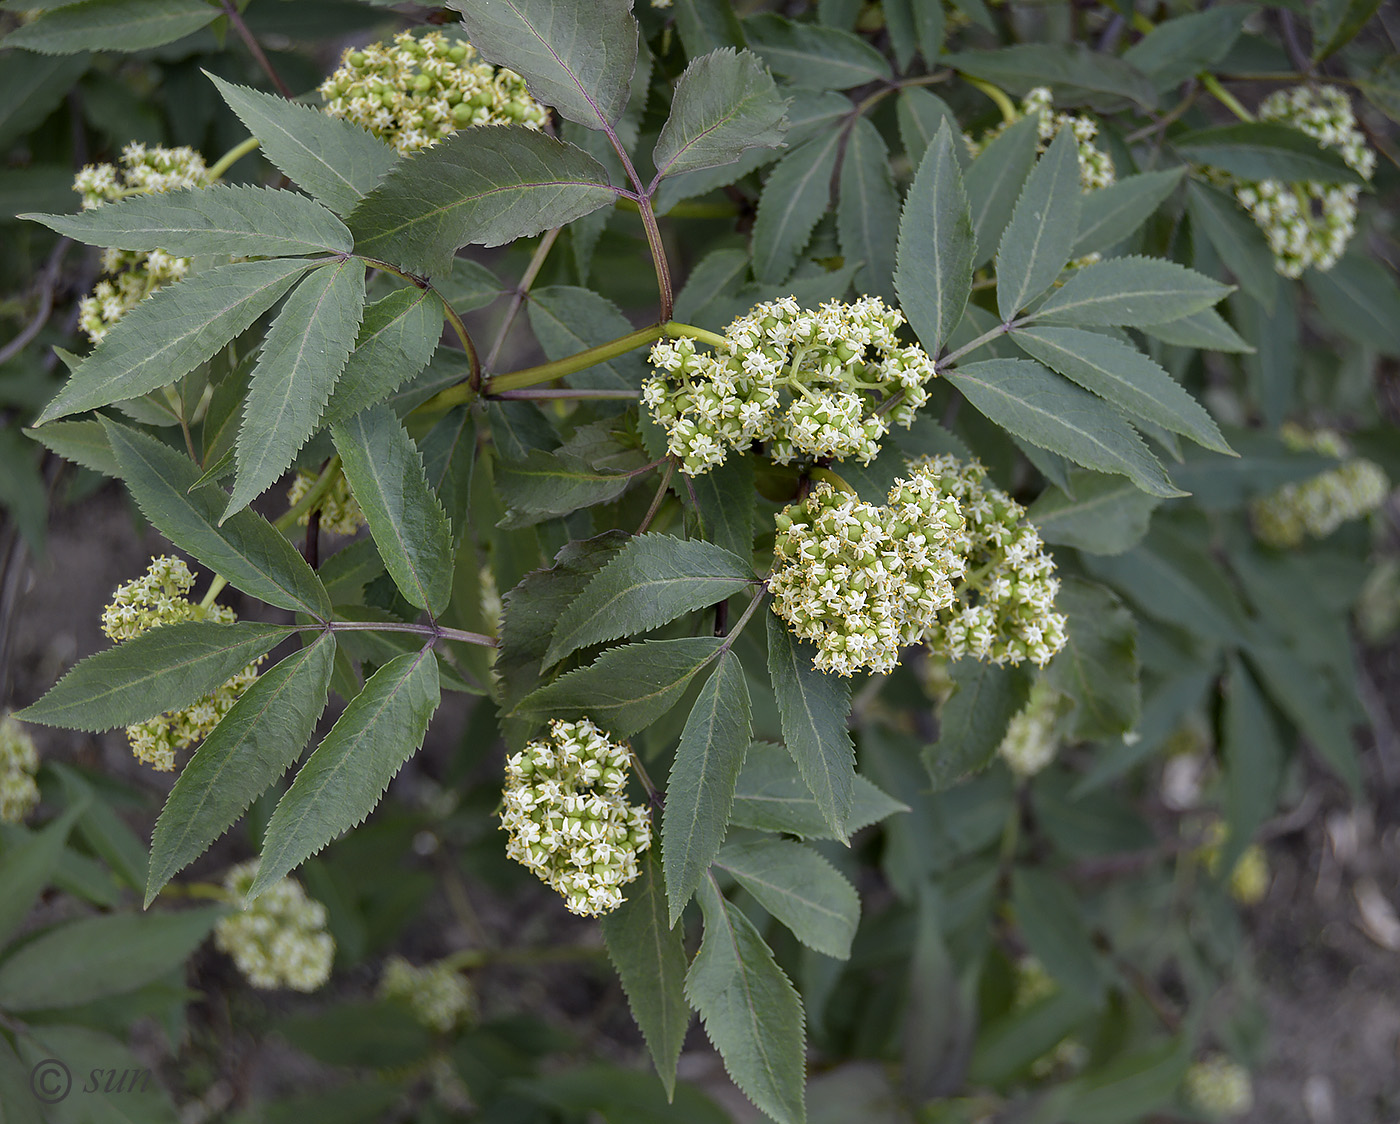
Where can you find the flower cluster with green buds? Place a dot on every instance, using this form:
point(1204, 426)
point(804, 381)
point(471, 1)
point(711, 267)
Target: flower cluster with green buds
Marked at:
point(1219, 1087)
point(1005, 606)
point(158, 598)
point(1310, 222)
point(424, 87)
point(437, 995)
point(131, 275)
point(861, 581)
point(19, 761)
point(823, 384)
point(1249, 878)
point(340, 511)
point(1095, 165)
point(1031, 737)
point(280, 938)
point(1320, 505)
point(568, 819)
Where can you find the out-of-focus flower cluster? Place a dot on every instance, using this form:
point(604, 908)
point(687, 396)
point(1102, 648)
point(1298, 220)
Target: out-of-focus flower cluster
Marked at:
point(1318, 506)
point(1219, 1087)
point(1095, 165)
point(278, 940)
point(131, 275)
point(1031, 737)
point(1032, 984)
point(949, 560)
point(827, 383)
point(1249, 878)
point(438, 995)
point(158, 598)
point(423, 87)
point(340, 511)
point(19, 761)
point(568, 819)
point(1309, 223)
point(861, 581)
point(1005, 608)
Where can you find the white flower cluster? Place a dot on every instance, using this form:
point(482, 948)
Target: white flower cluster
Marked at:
point(423, 87)
point(437, 994)
point(1309, 223)
point(817, 384)
point(1318, 506)
point(19, 761)
point(1005, 608)
point(1031, 739)
point(1095, 165)
point(133, 274)
point(861, 581)
point(1219, 1087)
point(568, 819)
point(340, 511)
point(154, 599)
point(278, 940)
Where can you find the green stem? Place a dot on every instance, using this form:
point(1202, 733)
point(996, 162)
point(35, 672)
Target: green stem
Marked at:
point(449, 312)
point(1004, 103)
point(741, 622)
point(231, 157)
point(434, 631)
point(557, 393)
point(833, 479)
point(215, 588)
point(313, 497)
point(1225, 98)
point(660, 495)
point(986, 337)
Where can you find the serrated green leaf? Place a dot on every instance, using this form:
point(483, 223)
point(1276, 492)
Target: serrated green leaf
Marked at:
point(794, 198)
point(549, 484)
point(26, 867)
point(344, 778)
point(1027, 400)
point(700, 789)
point(724, 502)
point(239, 219)
point(470, 286)
point(993, 183)
point(1037, 241)
point(751, 1012)
point(247, 550)
point(972, 723)
point(385, 471)
point(163, 669)
point(480, 187)
point(1126, 377)
point(1128, 1089)
point(17, 1089)
point(112, 25)
point(1106, 514)
point(336, 161)
point(1206, 329)
point(649, 955)
point(1098, 666)
point(798, 887)
point(1077, 74)
point(936, 246)
point(1359, 298)
point(110, 954)
point(725, 103)
point(567, 319)
point(1130, 291)
point(397, 338)
point(256, 742)
point(813, 708)
point(1253, 762)
point(1238, 241)
point(1180, 48)
point(868, 211)
point(653, 580)
point(705, 25)
point(1051, 921)
point(1261, 150)
point(31, 86)
point(920, 115)
point(1298, 692)
point(577, 57)
point(301, 359)
point(1120, 208)
point(812, 55)
point(626, 688)
point(1009, 1045)
point(172, 331)
point(82, 442)
point(1336, 22)
point(772, 796)
point(1382, 87)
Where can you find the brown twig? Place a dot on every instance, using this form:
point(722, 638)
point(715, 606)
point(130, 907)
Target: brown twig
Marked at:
point(47, 282)
point(235, 19)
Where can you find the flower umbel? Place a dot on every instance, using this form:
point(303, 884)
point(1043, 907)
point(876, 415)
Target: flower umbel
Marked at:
point(1318, 506)
point(1095, 165)
point(425, 86)
point(158, 598)
point(823, 384)
point(19, 761)
point(568, 819)
point(437, 994)
point(1031, 741)
point(1219, 1087)
point(130, 275)
point(278, 940)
